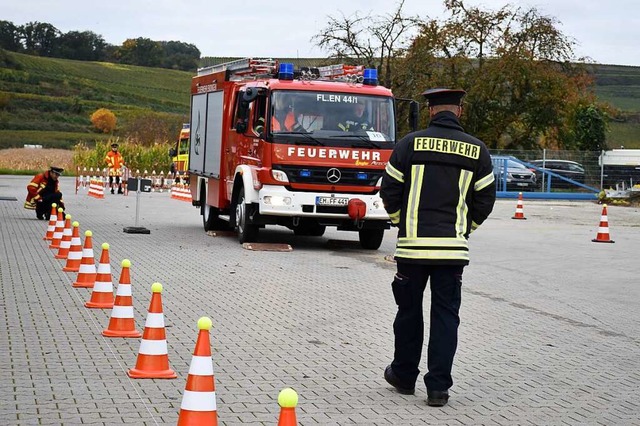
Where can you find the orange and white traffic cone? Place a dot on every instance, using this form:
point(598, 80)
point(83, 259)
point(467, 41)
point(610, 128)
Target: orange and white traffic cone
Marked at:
point(57, 233)
point(153, 359)
point(65, 242)
point(603, 229)
point(87, 272)
point(519, 209)
point(122, 323)
point(199, 399)
point(102, 294)
point(74, 256)
point(53, 217)
point(288, 400)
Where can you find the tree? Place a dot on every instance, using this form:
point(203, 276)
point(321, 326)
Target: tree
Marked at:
point(141, 51)
point(370, 40)
point(590, 128)
point(40, 38)
point(10, 37)
point(82, 46)
point(514, 64)
point(104, 120)
point(179, 55)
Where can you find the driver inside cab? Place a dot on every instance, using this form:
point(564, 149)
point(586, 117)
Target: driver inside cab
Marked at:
point(356, 118)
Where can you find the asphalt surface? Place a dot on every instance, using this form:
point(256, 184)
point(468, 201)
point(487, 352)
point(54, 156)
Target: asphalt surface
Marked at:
point(549, 331)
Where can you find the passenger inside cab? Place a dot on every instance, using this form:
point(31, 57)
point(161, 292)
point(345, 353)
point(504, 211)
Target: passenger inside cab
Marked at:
point(282, 116)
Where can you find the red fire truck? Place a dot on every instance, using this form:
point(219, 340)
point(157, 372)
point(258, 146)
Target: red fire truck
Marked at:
point(305, 149)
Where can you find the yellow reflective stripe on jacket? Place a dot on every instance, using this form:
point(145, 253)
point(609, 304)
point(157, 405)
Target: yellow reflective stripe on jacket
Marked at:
point(417, 173)
point(484, 182)
point(33, 184)
point(474, 226)
point(395, 217)
point(394, 173)
point(432, 254)
point(433, 241)
point(462, 209)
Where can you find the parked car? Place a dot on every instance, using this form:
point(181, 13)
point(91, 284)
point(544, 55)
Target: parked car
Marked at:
point(565, 168)
point(518, 176)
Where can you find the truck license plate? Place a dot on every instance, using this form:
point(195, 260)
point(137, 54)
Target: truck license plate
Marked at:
point(331, 201)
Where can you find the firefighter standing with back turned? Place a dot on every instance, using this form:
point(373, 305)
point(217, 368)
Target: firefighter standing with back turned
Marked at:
point(437, 188)
point(115, 162)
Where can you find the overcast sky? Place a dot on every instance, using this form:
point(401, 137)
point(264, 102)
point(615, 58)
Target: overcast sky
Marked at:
point(606, 31)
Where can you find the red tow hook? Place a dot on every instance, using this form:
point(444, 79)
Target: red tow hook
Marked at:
point(357, 209)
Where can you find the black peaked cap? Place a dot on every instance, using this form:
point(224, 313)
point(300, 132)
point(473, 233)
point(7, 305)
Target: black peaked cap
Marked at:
point(57, 170)
point(444, 96)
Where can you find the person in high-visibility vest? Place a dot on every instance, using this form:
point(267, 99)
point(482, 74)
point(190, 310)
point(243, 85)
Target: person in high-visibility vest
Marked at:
point(115, 163)
point(42, 191)
point(283, 118)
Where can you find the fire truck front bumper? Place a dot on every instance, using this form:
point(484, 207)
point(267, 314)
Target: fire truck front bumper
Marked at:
point(278, 201)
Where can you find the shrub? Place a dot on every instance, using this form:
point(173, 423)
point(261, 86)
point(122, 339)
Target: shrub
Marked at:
point(104, 120)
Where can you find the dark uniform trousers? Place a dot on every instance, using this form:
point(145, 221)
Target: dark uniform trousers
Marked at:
point(43, 208)
point(117, 178)
point(408, 288)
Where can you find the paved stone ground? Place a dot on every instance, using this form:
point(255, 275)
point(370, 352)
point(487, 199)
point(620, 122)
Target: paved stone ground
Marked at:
point(549, 329)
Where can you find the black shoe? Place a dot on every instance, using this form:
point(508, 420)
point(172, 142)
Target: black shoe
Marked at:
point(112, 191)
point(40, 216)
point(437, 398)
point(393, 380)
point(120, 191)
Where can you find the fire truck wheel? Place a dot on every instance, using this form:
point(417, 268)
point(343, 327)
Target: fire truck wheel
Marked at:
point(247, 232)
point(370, 239)
point(210, 219)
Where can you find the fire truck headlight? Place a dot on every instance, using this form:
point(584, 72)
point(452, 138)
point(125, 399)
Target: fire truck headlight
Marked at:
point(275, 200)
point(280, 176)
point(379, 183)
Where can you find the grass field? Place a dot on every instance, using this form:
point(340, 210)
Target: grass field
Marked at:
point(31, 161)
point(48, 139)
point(624, 134)
point(49, 101)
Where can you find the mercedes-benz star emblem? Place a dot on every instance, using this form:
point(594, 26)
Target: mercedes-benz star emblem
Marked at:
point(333, 175)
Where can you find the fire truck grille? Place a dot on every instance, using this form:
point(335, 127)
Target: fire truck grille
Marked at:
point(331, 175)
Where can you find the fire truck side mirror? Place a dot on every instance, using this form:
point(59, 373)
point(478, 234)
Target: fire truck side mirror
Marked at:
point(241, 126)
point(242, 116)
point(249, 95)
point(414, 114)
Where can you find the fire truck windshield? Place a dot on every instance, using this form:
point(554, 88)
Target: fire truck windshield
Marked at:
point(340, 118)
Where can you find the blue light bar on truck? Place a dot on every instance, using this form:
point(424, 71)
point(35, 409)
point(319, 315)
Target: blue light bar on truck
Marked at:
point(305, 173)
point(370, 77)
point(362, 176)
point(286, 71)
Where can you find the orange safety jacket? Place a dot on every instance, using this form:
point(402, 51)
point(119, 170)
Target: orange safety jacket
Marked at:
point(289, 123)
point(114, 161)
point(35, 188)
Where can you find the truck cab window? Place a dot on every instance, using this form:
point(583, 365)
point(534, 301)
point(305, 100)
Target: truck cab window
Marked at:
point(327, 115)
